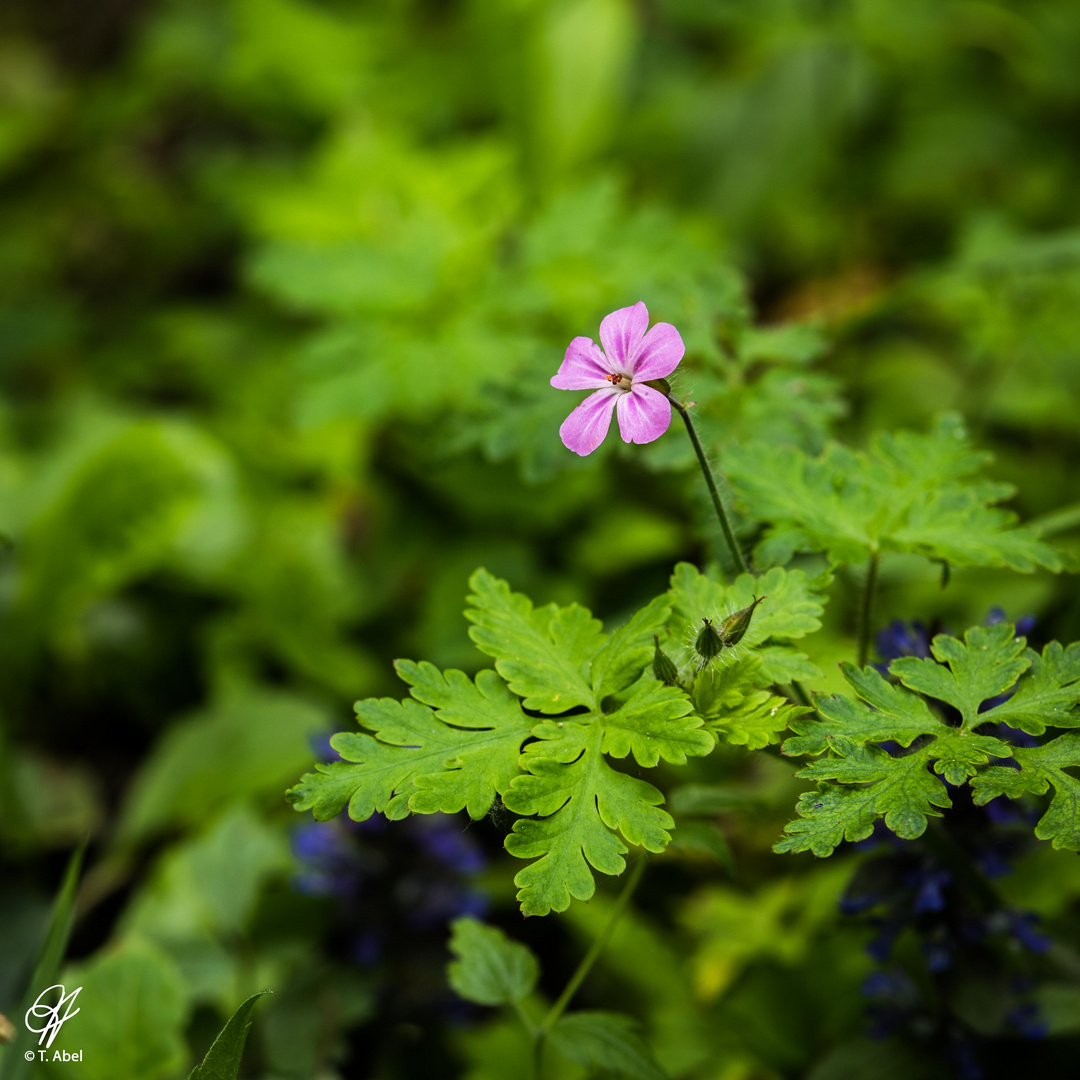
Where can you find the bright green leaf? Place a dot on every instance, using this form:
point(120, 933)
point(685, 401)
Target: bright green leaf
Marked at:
point(583, 805)
point(1042, 767)
point(985, 665)
point(543, 653)
point(458, 755)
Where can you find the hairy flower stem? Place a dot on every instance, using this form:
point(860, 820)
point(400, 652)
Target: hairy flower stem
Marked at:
point(867, 613)
point(721, 513)
point(583, 969)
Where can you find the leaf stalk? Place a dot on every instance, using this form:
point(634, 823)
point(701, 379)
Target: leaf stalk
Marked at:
point(866, 613)
point(587, 961)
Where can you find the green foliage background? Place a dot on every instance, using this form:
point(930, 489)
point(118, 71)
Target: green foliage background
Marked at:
point(282, 283)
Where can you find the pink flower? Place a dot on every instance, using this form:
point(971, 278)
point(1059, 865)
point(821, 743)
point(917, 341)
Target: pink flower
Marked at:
point(618, 373)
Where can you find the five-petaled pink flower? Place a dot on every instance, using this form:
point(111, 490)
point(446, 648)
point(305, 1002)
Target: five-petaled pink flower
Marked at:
point(618, 373)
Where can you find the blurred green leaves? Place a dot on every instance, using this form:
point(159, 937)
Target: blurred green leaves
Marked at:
point(248, 744)
point(490, 969)
point(283, 286)
point(141, 1008)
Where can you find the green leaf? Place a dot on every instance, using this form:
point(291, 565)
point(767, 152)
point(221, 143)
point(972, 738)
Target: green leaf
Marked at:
point(484, 764)
point(909, 492)
point(140, 1008)
point(248, 742)
point(583, 805)
point(868, 782)
point(710, 799)
point(902, 788)
point(13, 1066)
point(543, 653)
point(629, 649)
point(209, 885)
point(757, 720)
point(834, 813)
point(490, 969)
point(455, 743)
point(984, 666)
point(791, 609)
point(1042, 767)
point(705, 838)
point(1048, 696)
point(457, 755)
point(222, 1061)
point(654, 723)
point(603, 1040)
point(893, 714)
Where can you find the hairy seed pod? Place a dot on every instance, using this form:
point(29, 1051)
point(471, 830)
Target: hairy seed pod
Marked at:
point(709, 642)
point(735, 626)
point(663, 666)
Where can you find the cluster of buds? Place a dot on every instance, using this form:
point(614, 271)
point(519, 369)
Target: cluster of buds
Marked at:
point(711, 640)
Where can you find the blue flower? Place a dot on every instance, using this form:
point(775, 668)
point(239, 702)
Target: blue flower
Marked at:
point(444, 838)
point(321, 748)
point(928, 886)
point(1022, 925)
point(328, 864)
point(1024, 625)
point(366, 949)
point(880, 946)
point(900, 638)
point(1027, 1020)
point(938, 955)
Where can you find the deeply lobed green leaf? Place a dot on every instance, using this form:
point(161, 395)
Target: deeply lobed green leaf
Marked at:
point(862, 777)
point(456, 743)
point(583, 804)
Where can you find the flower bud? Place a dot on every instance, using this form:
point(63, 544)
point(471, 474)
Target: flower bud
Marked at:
point(663, 666)
point(709, 642)
point(735, 626)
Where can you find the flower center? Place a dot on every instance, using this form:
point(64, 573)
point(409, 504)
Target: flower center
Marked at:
point(616, 378)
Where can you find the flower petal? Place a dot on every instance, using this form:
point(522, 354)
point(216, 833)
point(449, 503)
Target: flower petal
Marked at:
point(644, 414)
point(621, 333)
point(659, 353)
point(584, 429)
point(585, 367)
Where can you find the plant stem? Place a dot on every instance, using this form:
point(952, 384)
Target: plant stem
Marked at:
point(867, 613)
point(525, 1018)
point(721, 513)
point(798, 692)
point(583, 969)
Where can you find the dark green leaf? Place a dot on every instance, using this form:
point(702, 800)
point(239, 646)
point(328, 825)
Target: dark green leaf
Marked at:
point(603, 1040)
point(222, 1061)
point(14, 1066)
